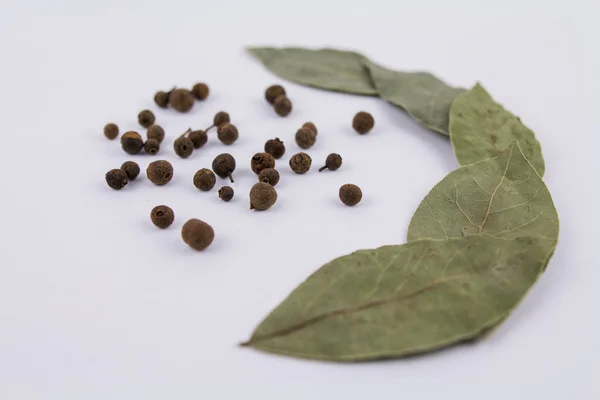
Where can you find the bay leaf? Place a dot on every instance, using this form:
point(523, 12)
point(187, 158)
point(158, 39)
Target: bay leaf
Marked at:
point(399, 300)
point(480, 129)
point(424, 97)
point(329, 69)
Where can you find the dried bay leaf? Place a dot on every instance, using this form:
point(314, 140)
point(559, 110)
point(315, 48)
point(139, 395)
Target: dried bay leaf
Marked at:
point(480, 129)
point(329, 69)
point(399, 300)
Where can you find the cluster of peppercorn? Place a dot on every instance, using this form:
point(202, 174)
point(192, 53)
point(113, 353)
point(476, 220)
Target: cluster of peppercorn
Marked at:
point(132, 142)
point(181, 99)
point(276, 96)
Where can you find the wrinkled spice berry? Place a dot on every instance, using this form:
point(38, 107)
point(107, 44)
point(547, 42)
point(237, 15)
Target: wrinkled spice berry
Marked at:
point(162, 99)
point(226, 193)
point(350, 194)
point(227, 133)
point(275, 148)
point(146, 118)
point(181, 100)
point(262, 196)
point(162, 216)
point(159, 172)
point(151, 146)
point(300, 163)
point(305, 138)
point(363, 122)
point(198, 138)
point(311, 126)
point(333, 162)
point(221, 118)
point(183, 146)
point(132, 142)
point(116, 179)
point(269, 175)
point(223, 165)
point(261, 161)
point(197, 234)
point(273, 92)
point(156, 132)
point(205, 179)
point(132, 169)
point(111, 131)
point(283, 106)
point(200, 91)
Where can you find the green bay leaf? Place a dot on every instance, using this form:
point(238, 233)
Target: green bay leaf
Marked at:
point(399, 300)
point(329, 69)
point(480, 128)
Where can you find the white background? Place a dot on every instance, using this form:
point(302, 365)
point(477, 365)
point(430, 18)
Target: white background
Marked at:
point(96, 303)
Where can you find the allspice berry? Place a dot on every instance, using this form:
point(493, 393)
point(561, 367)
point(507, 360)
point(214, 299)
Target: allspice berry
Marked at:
point(275, 148)
point(116, 179)
point(200, 91)
point(132, 142)
point(226, 193)
point(162, 99)
point(333, 162)
point(227, 133)
point(305, 138)
point(156, 132)
point(261, 161)
point(311, 126)
point(363, 122)
point(350, 194)
point(283, 106)
point(181, 99)
point(159, 172)
point(197, 234)
point(224, 165)
point(205, 179)
point(269, 175)
point(300, 163)
point(111, 131)
point(162, 216)
point(151, 146)
point(131, 168)
point(198, 138)
point(221, 118)
point(146, 118)
point(262, 196)
point(183, 146)
point(273, 92)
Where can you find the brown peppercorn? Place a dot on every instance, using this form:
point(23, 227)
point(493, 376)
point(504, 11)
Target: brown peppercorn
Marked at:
point(350, 194)
point(198, 138)
point(152, 146)
point(269, 175)
point(200, 91)
point(116, 179)
point(363, 122)
point(305, 138)
point(224, 165)
point(183, 146)
point(132, 142)
point(181, 100)
point(162, 216)
point(311, 126)
point(261, 161)
point(205, 179)
point(262, 196)
point(159, 172)
point(273, 92)
point(156, 132)
point(300, 163)
point(275, 148)
point(146, 118)
point(111, 131)
point(132, 169)
point(221, 118)
point(227, 133)
point(333, 162)
point(283, 106)
point(197, 234)
point(226, 193)
point(162, 99)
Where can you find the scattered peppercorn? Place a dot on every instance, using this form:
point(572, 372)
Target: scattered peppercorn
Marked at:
point(273, 92)
point(226, 193)
point(333, 162)
point(227, 133)
point(283, 106)
point(156, 132)
point(162, 99)
point(363, 122)
point(198, 138)
point(300, 163)
point(275, 148)
point(116, 179)
point(200, 91)
point(262, 196)
point(269, 175)
point(205, 179)
point(311, 126)
point(111, 131)
point(132, 142)
point(197, 234)
point(224, 165)
point(159, 172)
point(181, 99)
point(152, 146)
point(261, 161)
point(132, 169)
point(146, 118)
point(350, 194)
point(221, 118)
point(162, 216)
point(183, 146)
point(305, 138)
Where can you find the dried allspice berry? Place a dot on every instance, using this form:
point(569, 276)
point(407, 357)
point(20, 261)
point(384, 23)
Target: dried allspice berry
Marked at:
point(311, 126)
point(275, 148)
point(156, 132)
point(183, 146)
point(261, 161)
point(132, 142)
point(227, 133)
point(350, 194)
point(283, 106)
point(162, 99)
point(262, 196)
point(146, 118)
point(198, 138)
point(205, 179)
point(363, 122)
point(273, 92)
point(226, 193)
point(116, 179)
point(300, 163)
point(159, 172)
point(181, 99)
point(221, 118)
point(200, 91)
point(151, 146)
point(131, 168)
point(111, 131)
point(197, 234)
point(333, 162)
point(223, 165)
point(162, 216)
point(269, 175)
point(305, 138)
